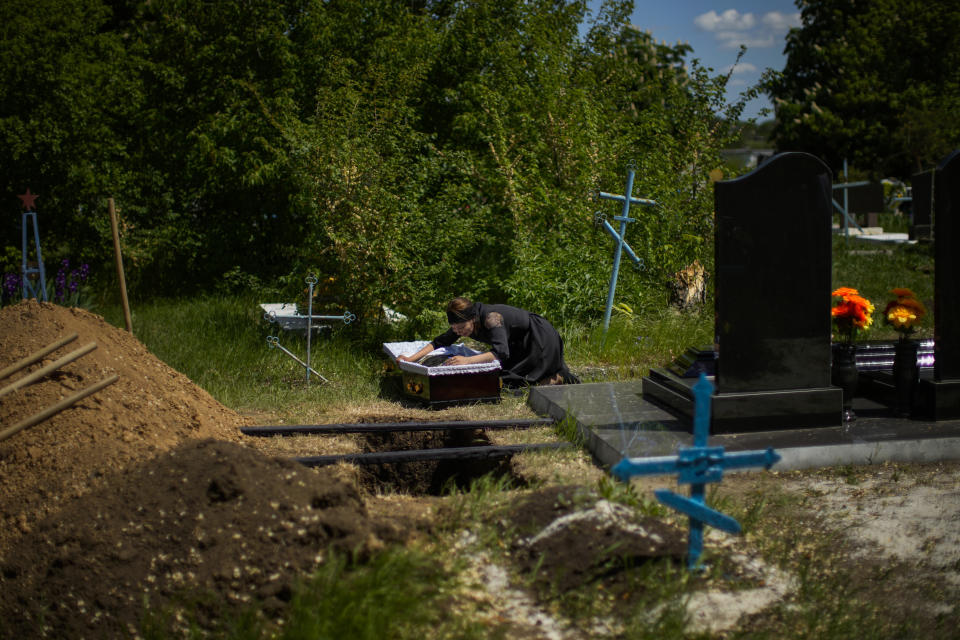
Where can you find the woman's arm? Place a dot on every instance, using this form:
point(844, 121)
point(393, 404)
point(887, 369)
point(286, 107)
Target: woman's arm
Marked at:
point(445, 339)
point(419, 354)
point(480, 358)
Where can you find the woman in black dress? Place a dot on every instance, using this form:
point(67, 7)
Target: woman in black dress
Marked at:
point(529, 349)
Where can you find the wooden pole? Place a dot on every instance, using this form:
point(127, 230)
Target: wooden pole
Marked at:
point(119, 261)
point(57, 408)
point(36, 356)
point(53, 366)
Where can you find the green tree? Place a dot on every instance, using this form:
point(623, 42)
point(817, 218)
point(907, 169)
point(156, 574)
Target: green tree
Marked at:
point(218, 78)
point(67, 89)
point(170, 106)
point(411, 150)
point(877, 83)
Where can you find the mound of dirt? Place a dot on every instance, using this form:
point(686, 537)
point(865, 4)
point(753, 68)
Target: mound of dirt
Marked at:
point(141, 493)
point(149, 410)
point(576, 538)
point(207, 515)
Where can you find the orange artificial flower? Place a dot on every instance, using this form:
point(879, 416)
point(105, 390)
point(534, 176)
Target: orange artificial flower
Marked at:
point(843, 292)
point(852, 312)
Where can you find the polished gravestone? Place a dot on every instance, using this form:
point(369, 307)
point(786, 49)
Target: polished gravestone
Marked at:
point(921, 205)
point(773, 263)
point(939, 390)
point(866, 201)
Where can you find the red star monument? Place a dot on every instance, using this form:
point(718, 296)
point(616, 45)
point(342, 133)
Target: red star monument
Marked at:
point(29, 200)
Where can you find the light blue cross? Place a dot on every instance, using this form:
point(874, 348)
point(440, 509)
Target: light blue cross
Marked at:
point(696, 466)
point(627, 199)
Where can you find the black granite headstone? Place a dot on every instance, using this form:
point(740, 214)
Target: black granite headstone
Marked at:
point(773, 262)
point(866, 200)
point(921, 205)
point(940, 396)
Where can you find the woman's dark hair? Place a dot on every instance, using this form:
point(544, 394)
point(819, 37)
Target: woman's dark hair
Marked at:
point(460, 310)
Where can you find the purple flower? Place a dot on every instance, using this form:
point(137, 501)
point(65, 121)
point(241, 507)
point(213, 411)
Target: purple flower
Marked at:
point(11, 282)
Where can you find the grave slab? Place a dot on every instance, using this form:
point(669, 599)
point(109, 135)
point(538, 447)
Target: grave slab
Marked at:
point(617, 422)
point(603, 410)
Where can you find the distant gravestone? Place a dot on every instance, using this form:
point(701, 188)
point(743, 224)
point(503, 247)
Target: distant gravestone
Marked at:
point(921, 193)
point(866, 200)
point(940, 395)
point(773, 277)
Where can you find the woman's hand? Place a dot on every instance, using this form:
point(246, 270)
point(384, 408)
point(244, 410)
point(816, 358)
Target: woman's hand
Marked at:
point(405, 358)
point(453, 360)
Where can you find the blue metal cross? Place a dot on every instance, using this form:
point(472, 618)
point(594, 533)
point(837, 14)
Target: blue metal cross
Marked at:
point(627, 199)
point(26, 271)
point(696, 466)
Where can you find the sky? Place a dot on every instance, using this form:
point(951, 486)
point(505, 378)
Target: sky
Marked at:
point(716, 29)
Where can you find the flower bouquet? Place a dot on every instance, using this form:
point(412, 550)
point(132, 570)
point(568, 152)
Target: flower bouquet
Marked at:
point(851, 313)
point(904, 313)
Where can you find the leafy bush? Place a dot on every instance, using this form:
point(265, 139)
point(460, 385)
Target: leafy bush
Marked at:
point(411, 151)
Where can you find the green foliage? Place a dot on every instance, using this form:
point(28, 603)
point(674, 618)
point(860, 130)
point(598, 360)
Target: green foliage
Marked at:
point(877, 83)
point(412, 151)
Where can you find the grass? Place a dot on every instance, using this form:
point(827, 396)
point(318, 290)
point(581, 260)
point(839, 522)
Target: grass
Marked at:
point(220, 343)
point(399, 593)
point(875, 269)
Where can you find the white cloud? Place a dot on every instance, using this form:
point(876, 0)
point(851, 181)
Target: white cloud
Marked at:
point(742, 67)
point(733, 39)
point(731, 19)
point(781, 21)
point(732, 28)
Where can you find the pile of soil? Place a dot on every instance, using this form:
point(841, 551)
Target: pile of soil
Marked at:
point(573, 538)
point(207, 517)
point(140, 492)
point(150, 409)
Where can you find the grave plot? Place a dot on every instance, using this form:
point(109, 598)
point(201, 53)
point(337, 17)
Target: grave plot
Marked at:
point(414, 457)
point(142, 491)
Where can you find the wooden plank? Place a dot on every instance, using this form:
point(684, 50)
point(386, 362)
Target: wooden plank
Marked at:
point(57, 408)
point(423, 455)
point(53, 366)
point(36, 356)
point(389, 427)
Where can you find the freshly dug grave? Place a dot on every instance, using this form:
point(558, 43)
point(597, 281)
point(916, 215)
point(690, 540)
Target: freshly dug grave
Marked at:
point(429, 477)
point(207, 517)
point(141, 491)
point(149, 410)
